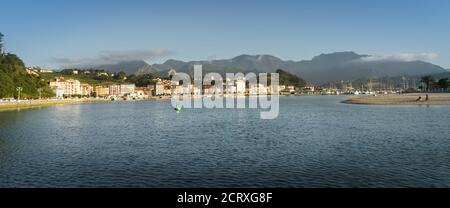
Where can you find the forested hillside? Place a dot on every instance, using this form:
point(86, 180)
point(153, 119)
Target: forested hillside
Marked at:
point(14, 75)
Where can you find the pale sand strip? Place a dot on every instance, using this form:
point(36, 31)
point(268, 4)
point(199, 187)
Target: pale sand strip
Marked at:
point(404, 99)
point(24, 104)
point(7, 106)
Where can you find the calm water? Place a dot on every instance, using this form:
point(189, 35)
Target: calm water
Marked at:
point(315, 142)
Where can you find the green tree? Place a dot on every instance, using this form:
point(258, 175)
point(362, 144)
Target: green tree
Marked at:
point(141, 80)
point(287, 78)
point(102, 77)
point(13, 75)
point(68, 71)
point(428, 81)
point(121, 76)
point(444, 83)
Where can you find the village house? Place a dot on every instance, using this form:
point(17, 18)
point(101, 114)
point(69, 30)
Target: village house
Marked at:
point(252, 89)
point(159, 88)
point(102, 74)
point(163, 87)
point(231, 89)
point(196, 91)
point(308, 90)
point(36, 70)
point(263, 89)
point(32, 71)
point(140, 93)
point(240, 87)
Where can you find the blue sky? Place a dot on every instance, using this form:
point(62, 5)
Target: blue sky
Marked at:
point(55, 33)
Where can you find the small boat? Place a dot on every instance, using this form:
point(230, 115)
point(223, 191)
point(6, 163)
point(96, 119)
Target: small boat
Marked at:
point(177, 109)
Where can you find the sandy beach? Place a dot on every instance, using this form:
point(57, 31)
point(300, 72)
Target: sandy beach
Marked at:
point(403, 99)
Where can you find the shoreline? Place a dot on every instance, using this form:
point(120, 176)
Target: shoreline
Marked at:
point(28, 104)
point(393, 99)
point(403, 99)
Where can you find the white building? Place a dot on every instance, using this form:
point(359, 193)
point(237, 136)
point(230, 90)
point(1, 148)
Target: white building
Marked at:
point(231, 89)
point(159, 88)
point(253, 89)
point(163, 87)
point(69, 87)
point(122, 90)
point(290, 89)
point(196, 91)
point(183, 90)
point(114, 90)
point(240, 87)
point(127, 89)
point(263, 89)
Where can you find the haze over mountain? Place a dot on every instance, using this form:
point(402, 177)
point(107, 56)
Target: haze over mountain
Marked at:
point(320, 70)
point(129, 67)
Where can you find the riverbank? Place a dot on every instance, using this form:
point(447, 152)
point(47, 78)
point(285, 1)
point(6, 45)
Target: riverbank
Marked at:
point(403, 99)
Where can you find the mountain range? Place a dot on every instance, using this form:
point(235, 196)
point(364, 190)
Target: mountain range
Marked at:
point(129, 67)
point(321, 69)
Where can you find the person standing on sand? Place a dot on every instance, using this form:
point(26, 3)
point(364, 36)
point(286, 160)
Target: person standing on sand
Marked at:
point(426, 98)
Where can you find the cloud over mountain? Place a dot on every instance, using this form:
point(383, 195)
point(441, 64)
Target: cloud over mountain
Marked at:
point(407, 57)
point(321, 69)
point(111, 57)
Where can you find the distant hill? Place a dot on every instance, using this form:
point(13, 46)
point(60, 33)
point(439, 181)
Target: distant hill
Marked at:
point(320, 70)
point(440, 75)
point(129, 67)
point(349, 66)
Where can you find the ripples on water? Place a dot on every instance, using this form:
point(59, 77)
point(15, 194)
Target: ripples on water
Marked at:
point(315, 142)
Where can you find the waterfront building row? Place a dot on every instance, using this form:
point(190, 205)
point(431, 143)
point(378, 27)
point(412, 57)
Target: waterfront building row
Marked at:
point(163, 87)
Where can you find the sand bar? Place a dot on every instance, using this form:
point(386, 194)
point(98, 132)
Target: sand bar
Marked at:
point(403, 99)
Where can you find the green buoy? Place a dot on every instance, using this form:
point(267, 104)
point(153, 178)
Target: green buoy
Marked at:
point(178, 109)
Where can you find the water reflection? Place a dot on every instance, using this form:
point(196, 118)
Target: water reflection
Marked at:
point(315, 142)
